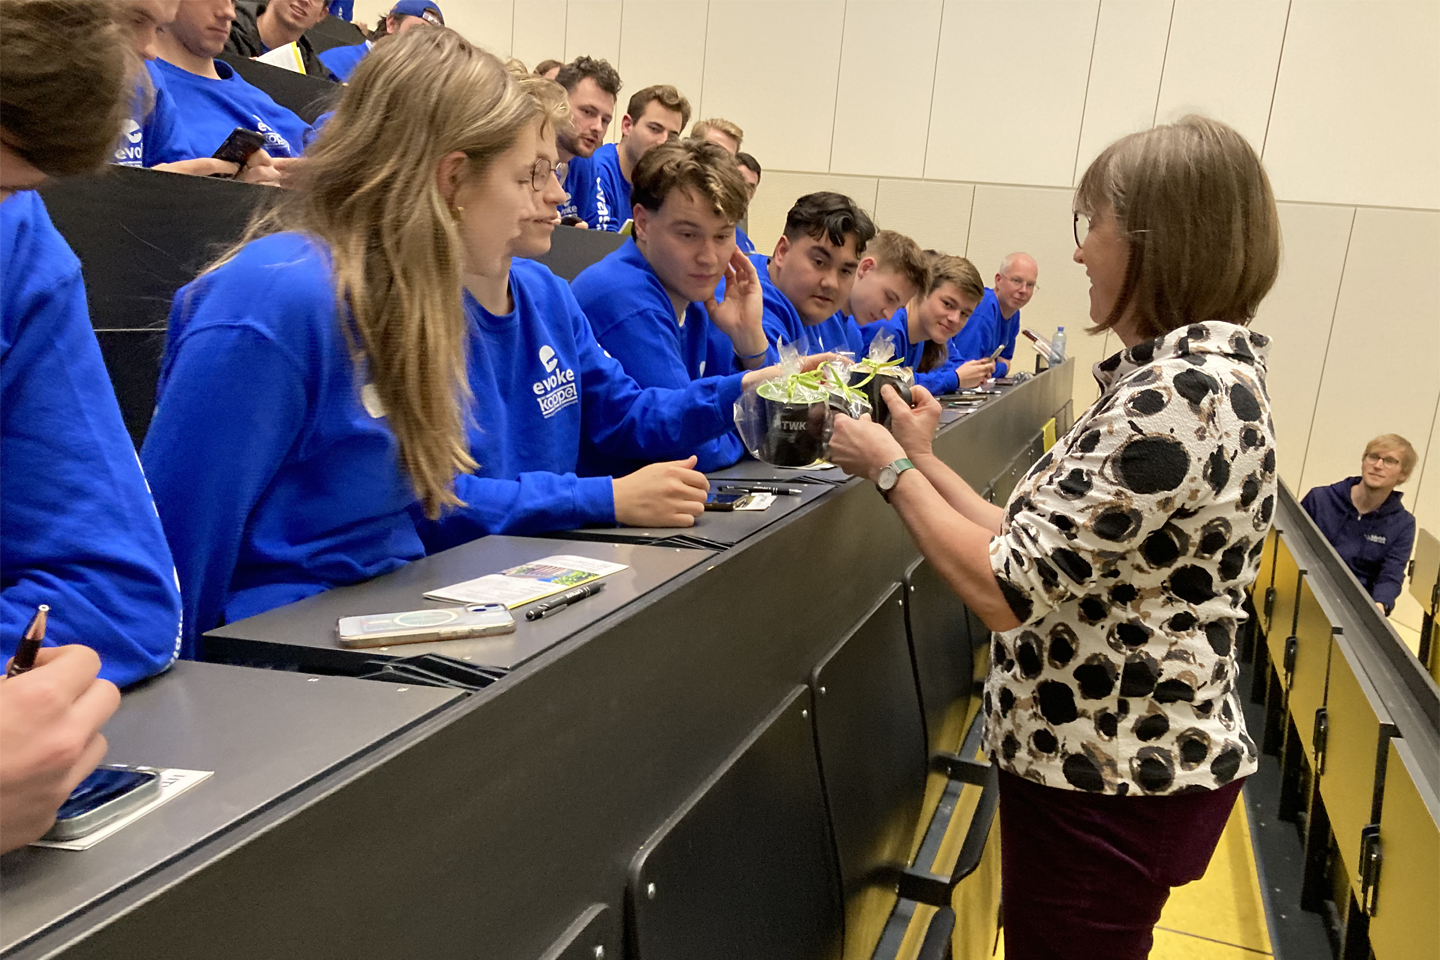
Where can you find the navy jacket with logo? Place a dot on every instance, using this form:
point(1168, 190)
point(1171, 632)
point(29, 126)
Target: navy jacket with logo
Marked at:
point(1376, 546)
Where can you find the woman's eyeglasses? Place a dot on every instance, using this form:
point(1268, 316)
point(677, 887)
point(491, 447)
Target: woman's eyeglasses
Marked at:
point(1081, 232)
point(540, 173)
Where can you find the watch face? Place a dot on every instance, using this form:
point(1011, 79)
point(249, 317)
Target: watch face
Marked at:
point(886, 480)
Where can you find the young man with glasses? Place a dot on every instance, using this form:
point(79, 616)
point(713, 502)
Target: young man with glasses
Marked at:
point(996, 320)
point(1364, 521)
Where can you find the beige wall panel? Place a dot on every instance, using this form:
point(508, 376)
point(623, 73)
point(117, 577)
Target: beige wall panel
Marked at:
point(1422, 491)
point(1124, 74)
point(538, 31)
point(1357, 105)
point(772, 68)
point(1380, 370)
point(933, 213)
point(1297, 316)
point(1037, 220)
point(887, 70)
point(663, 41)
point(1010, 91)
point(779, 189)
point(592, 29)
point(490, 23)
point(1221, 61)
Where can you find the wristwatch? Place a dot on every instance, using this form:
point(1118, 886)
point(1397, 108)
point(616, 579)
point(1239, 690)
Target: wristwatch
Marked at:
point(890, 475)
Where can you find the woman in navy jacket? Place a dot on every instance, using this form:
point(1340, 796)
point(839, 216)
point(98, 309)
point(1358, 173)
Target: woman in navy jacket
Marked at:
point(1364, 521)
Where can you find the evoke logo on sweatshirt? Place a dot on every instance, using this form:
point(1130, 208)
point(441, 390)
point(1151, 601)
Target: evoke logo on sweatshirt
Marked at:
point(557, 391)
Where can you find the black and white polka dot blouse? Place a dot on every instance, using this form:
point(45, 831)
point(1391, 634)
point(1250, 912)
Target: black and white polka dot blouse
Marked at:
point(1125, 553)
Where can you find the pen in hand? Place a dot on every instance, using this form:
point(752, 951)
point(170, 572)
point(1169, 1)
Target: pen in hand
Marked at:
point(30, 643)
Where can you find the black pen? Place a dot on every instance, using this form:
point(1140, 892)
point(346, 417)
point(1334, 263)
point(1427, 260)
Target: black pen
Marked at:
point(762, 488)
point(30, 643)
point(546, 607)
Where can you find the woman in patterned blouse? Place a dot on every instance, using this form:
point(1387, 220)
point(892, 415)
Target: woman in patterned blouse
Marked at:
point(1114, 579)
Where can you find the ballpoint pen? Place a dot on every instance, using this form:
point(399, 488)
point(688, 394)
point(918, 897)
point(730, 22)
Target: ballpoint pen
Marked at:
point(30, 643)
point(762, 488)
point(544, 608)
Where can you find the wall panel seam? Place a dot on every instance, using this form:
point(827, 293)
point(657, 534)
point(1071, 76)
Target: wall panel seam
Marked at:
point(1424, 459)
point(1085, 100)
point(1279, 65)
point(1330, 333)
point(512, 28)
point(970, 223)
point(839, 71)
point(1160, 87)
point(620, 43)
point(704, 57)
point(934, 79)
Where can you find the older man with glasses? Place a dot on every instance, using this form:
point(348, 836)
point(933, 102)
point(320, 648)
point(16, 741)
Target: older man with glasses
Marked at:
point(1364, 521)
point(996, 321)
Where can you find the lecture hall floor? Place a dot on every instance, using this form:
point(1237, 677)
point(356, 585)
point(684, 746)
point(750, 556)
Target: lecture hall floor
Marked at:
point(1221, 916)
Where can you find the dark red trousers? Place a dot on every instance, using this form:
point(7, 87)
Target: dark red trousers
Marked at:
point(1086, 875)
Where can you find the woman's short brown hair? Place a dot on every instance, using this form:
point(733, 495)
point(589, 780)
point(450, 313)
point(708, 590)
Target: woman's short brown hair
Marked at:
point(1193, 200)
point(705, 169)
point(67, 83)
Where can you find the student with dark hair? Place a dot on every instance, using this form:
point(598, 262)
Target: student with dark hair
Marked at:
point(652, 302)
point(750, 170)
point(921, 329)
point(654, 115)
point(210, 98)
point(263, 25)
point(554, 413)
point(77, 522)
point(592, 87)
point(810, 275)
point(405, 15)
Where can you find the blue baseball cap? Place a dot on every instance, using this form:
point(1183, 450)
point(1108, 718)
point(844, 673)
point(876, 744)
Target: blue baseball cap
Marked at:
point(423, 9)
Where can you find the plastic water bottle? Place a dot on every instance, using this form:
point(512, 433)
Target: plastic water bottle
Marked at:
point(1057, 346)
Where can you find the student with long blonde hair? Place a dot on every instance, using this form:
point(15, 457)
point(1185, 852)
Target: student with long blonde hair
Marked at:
point(314, 381)
point(922, 328)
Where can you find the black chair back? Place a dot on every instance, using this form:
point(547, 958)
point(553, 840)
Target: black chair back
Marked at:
point(745, 868)
point(938, 623)
point(140, 236)
point(306, 96)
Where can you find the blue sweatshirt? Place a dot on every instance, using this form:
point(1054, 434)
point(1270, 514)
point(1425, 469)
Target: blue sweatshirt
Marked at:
point(634, 320)
point(274, 479)
point(76, 520)
point(612, 190)
point(983, 332)
point(942, 379)
point(580, 185)
point(746, 245)
point(155, 137)
point(548, 404)
point(783, 324)
point(210, 109)
point(342, 61)
point(1376, 546)
point(837, 333)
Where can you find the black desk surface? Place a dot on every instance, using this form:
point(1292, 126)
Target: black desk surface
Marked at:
point(264, 734)
point(303, 633)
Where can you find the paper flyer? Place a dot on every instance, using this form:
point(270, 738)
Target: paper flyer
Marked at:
point(173, 782)
point(529, 581)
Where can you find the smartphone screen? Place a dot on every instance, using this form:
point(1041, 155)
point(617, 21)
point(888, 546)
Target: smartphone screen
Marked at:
point(101, 787)
point(238, 147)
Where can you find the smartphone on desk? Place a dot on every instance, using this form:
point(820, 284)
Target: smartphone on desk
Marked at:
point(421, 626)
point(726, 502)
point(109, 793)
